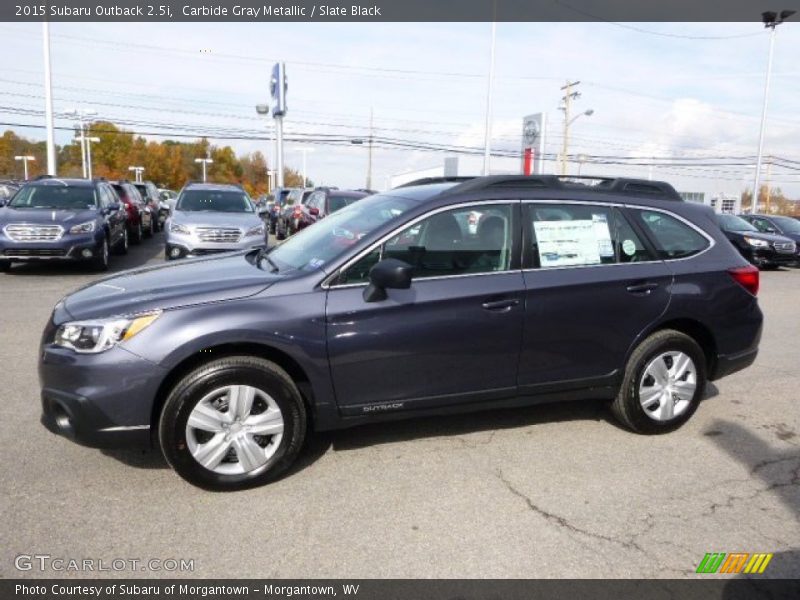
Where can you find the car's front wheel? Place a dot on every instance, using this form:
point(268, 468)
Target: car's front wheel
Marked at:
point(100, 260)
point(233, 423)
point(664, 381)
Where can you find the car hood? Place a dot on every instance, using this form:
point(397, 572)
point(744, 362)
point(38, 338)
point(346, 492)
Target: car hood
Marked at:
point(171, 285)
point(215, 219)
point(46, 216)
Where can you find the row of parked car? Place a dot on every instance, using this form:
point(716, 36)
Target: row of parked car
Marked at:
point(767, 241)
point(88, 220)
point(51, 219)
point(289, 210)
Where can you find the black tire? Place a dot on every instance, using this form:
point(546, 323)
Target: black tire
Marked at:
point(5, 266)
point(234, 370)
point(122, 245)
point(627, 407)
point(100, 260)
point(150, 231)
point(136, 234)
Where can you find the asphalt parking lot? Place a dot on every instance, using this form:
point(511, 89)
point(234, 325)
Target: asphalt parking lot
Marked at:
point(550, 491)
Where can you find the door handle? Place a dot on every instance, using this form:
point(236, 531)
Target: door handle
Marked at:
point(501, 305)
point(642, 288)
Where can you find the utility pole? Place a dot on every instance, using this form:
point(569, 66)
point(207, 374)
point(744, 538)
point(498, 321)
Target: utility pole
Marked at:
point(568, 97)
point(52, 167)
point(25, 160)
point(81, 114)
point(771, 20)
point(369, 153)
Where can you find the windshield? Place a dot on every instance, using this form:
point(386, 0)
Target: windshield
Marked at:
point(339, 202)
point(734, 223)
point(216, 201)
point(58, 197)
point(314, 246)
point(787, 224)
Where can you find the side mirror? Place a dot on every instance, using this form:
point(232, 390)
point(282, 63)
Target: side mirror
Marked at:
point(389, 273)
point(114, 207)
point(314, 211)
point(771, 230)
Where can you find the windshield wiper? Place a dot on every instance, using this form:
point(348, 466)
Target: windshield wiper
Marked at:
point(262, 254)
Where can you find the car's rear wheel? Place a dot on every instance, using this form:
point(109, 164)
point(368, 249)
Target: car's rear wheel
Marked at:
point(664, 381)
point(100, 260)
point(233, 423)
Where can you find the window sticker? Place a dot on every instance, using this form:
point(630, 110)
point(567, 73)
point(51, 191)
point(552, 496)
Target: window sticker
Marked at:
point(629, 247)
point(567, 243)
point(603, 234)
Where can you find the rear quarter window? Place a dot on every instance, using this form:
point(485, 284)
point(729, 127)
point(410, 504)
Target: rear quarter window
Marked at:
point(673, 238)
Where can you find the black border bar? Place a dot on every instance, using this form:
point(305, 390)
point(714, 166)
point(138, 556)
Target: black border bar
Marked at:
point(264, 11)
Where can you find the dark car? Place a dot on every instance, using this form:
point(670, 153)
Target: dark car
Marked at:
point(786, 226)
point(764, 250)
point(62, 219)
point(275, 204)
point(140, 219)
point(389, 309)
point(291, 213)
point(152, 200)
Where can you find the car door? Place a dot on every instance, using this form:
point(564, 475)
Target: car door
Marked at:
point(454, 336)
point(593, 285)
point(111, 218)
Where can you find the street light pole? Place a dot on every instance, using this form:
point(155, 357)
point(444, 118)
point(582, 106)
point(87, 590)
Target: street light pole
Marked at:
point(48, 102)
point(204, 161)
point(487, 139)
point(137, 173)
point(89, 142)
point(25, 160)
point(369, 155)
point(771, 20)
point(81, 114)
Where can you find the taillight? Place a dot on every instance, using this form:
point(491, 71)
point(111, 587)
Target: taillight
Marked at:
point(747, 277)
point(297, 212)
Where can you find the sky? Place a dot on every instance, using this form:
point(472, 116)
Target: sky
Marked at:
point(689, 93)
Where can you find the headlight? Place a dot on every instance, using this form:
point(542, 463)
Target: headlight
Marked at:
point(87, 227)
point(178, 228)
point(257, 230)
point(91, 337)
point(756, 243)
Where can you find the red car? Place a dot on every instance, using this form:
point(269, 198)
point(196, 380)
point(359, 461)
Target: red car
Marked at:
point(140, 221)
point(322, 203)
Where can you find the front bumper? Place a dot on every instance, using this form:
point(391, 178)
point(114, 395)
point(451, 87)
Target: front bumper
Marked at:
point(769, 256)
point(189, 245)
point(69, 248)
point(100, 400)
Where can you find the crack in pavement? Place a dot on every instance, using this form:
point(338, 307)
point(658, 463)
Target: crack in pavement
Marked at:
point(630, 544)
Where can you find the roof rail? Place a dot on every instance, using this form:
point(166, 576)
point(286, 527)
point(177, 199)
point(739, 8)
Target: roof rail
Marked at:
point(43, 177)
point(615, 185)
point(433, 180)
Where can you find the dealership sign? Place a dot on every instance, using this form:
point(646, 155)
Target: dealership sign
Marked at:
point(533, 143)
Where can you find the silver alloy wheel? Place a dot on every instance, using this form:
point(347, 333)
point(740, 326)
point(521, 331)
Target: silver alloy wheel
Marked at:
point(234, 429)
point(667, 385)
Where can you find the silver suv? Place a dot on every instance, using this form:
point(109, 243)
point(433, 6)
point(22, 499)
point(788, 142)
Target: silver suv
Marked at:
point(210, 218)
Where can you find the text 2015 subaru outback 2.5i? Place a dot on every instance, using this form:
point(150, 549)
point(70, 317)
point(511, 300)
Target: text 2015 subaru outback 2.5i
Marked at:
point(394, 307)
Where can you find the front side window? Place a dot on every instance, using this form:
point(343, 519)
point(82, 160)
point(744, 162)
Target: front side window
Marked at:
point(215, 201)
point(578, 235)
point(673, 237)
point(762, 225)
point(445, 244)
point(55, 197)
point(787, 224)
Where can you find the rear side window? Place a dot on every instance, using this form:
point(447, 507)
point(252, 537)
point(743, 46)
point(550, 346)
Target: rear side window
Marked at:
point(578, 235)
point(673, 237)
